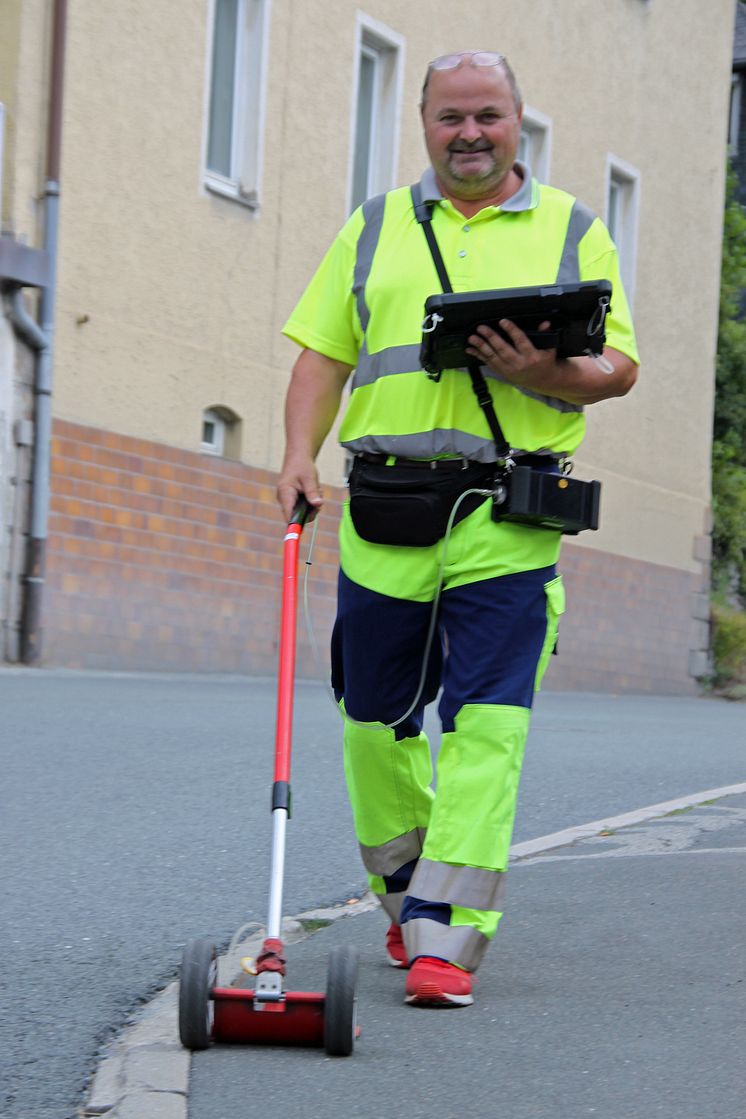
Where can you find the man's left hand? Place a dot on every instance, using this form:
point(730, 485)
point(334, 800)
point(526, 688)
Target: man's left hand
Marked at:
point(518, 360)
point(578, 380)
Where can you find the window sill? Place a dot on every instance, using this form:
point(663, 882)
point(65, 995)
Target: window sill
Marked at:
point(227, 189)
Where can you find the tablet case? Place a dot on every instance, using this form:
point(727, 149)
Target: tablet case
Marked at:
point(576, 313)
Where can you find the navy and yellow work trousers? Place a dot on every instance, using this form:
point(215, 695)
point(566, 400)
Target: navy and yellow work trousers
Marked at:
point(438, 859)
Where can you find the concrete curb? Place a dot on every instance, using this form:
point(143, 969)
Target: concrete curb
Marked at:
point(144, 1073)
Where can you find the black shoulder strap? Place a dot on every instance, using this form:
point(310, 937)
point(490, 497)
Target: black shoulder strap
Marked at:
point(423, 211)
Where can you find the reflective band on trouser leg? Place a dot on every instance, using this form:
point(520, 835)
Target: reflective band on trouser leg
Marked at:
point(466, 849)
point(390, 903)
point(390, 867)
point(468, 886)
point(463, 945)
point(389, 788)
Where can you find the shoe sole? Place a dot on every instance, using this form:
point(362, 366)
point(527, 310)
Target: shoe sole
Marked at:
point(396, 963)
point(430, 994)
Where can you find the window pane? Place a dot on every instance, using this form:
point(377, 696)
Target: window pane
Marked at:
point(363, 129)
point(219, 146)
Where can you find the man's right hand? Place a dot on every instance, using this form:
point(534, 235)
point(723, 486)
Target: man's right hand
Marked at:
point(298, 480)
point(310, 407)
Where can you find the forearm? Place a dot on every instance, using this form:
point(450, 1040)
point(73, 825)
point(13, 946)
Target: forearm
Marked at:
point(581, 380)
point(311, 406)
point(578, 380)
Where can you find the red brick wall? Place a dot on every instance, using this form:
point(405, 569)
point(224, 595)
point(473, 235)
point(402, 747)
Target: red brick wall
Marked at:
point(165, 559)
point(628, 626)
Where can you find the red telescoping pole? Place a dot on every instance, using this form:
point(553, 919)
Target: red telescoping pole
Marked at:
point(286, 676)
point(270, 958)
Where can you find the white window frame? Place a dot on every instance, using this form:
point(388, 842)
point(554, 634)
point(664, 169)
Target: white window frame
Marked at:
point(536, 142)
point(734, 116)
point(217, 445)
point(387, 48)
point(627, 178)
point(244, 182)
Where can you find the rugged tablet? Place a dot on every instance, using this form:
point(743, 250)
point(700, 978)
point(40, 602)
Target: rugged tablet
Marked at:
point(576, 314)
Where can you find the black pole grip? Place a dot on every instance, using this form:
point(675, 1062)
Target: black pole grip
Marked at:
point(300, 513)
point(281, 797)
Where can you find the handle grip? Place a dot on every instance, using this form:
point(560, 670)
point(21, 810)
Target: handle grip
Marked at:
point(299, 516)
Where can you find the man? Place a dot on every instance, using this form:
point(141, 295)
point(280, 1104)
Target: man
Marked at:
point(438, 860)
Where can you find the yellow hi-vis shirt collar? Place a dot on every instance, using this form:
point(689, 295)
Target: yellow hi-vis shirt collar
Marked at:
point(525, 198)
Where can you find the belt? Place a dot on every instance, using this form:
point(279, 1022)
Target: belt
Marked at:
point(451, 464)
point(446, 464)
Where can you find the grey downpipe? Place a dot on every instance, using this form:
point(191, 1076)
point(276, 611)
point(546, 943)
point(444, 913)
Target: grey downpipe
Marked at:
point(31, 333)
point(21, 321)
point(31, 614)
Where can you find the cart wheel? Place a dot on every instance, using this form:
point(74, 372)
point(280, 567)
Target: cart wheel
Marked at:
point(199, 972)
point(340, 1008)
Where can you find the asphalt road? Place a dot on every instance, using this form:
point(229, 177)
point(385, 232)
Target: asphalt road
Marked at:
point(615, 988)
point(134, 815)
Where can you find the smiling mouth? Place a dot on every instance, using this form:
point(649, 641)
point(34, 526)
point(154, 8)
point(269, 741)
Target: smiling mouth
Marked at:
point(476, 157)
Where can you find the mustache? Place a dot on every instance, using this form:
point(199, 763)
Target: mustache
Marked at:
point(477, 146)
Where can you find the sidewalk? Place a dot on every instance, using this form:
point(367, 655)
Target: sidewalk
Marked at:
point(616, 987)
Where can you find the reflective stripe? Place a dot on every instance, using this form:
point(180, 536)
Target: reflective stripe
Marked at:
point(550, 401)
point(459, 944)
point(366, 246)
point(581, 220)
point(406, 359)
point(391, 905)
point(426, 444)
point(386, 858)
point(467, 886)
point(385, 363)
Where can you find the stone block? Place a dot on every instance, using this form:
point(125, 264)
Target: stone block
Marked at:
point(701, 606)
point(702, 549)
point(107, 1088)
point(151, 1105)
point(156, 1069)
point(700, 663)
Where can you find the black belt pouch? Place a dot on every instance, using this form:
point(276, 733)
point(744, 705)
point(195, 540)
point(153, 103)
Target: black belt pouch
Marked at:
point(409, 506)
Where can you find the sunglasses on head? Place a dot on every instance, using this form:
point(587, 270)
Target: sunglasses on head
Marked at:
point(484, 59)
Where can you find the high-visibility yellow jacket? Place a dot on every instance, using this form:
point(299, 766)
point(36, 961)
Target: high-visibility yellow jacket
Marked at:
point(365, 307)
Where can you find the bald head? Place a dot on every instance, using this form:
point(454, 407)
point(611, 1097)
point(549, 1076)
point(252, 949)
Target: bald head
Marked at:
point(479, 60)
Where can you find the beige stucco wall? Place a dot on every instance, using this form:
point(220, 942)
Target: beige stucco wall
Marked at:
point(10, 23)
point(24, 51)
point(171, 299)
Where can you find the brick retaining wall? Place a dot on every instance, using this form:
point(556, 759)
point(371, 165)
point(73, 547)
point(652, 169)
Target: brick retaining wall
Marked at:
point(164, 559)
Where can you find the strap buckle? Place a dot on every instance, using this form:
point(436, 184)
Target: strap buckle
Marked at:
point(434, 318)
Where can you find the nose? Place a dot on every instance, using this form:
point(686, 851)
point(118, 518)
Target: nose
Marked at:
point(470, 130)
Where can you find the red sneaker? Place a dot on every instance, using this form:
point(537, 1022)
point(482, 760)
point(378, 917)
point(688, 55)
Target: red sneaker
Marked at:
point(395, 949)
point(433, 982)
